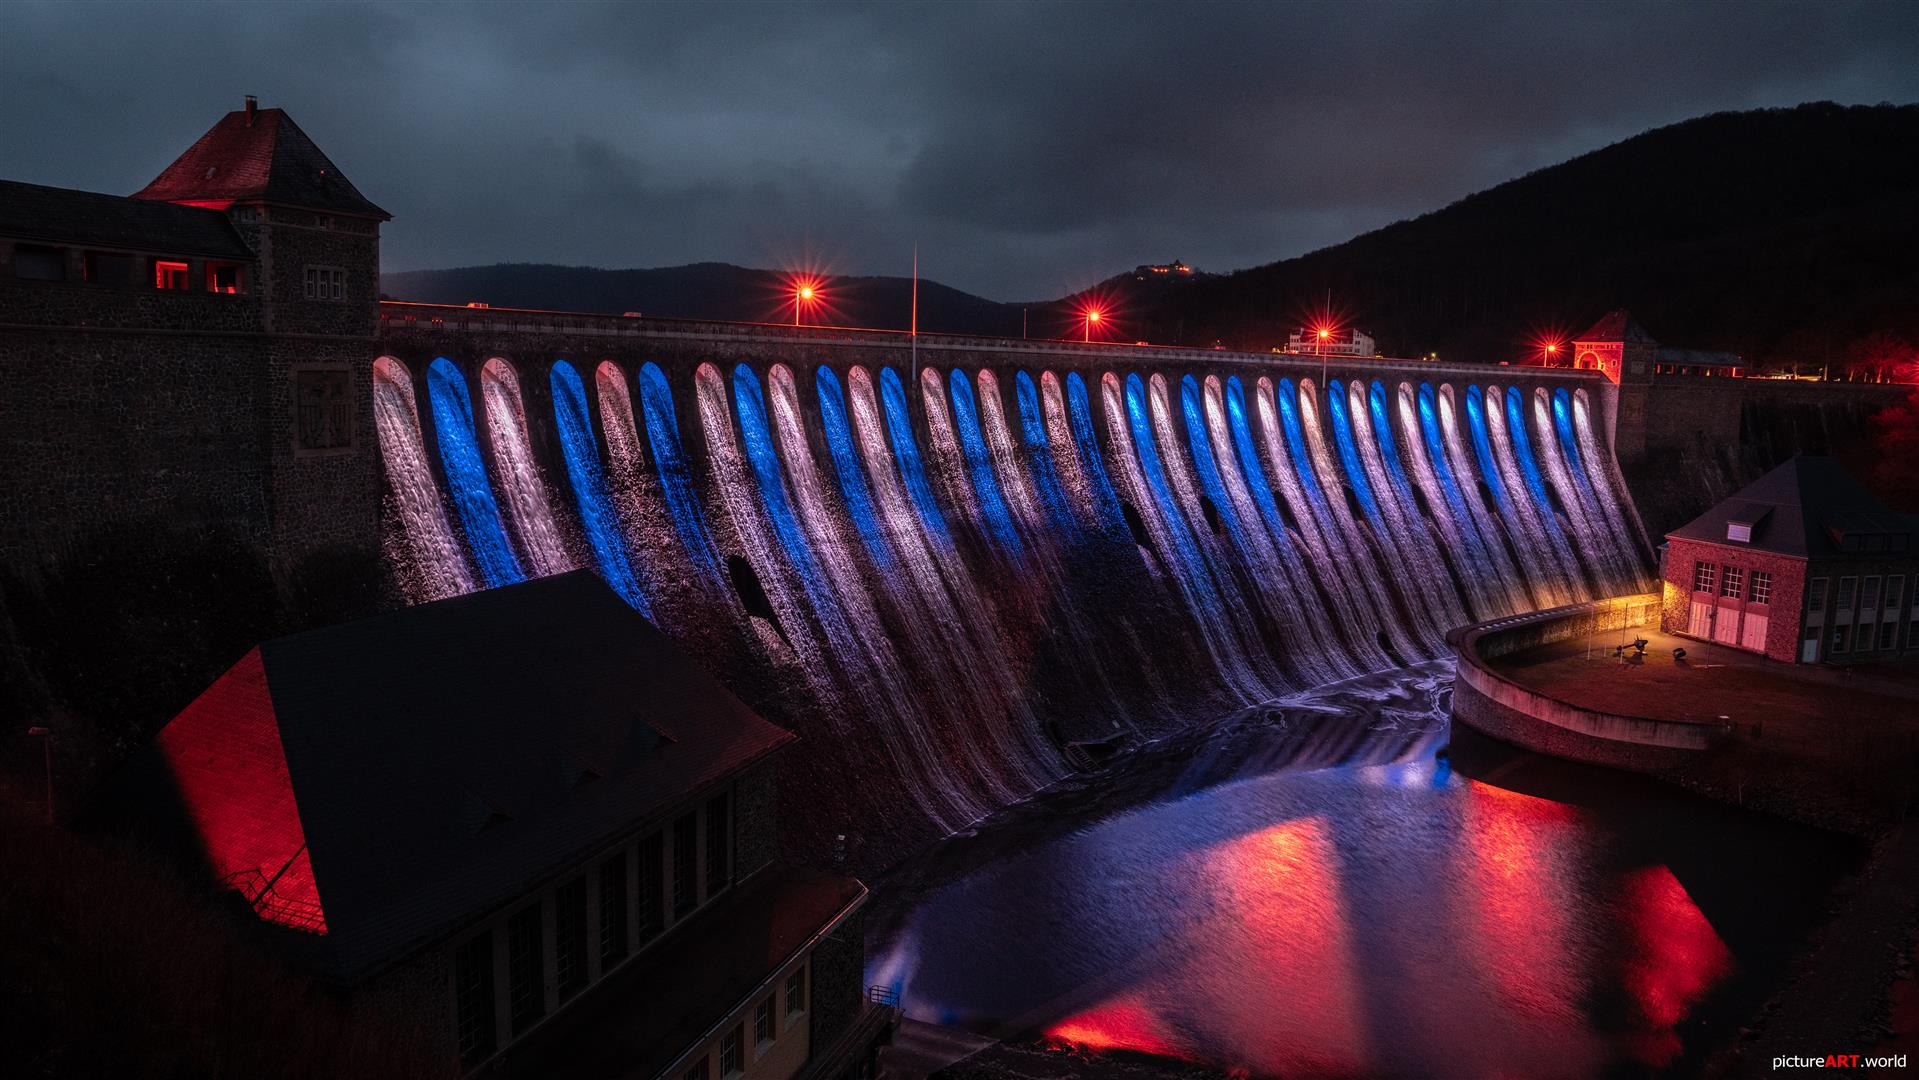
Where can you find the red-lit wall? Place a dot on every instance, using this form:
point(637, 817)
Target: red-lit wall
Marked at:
point(1782, 611)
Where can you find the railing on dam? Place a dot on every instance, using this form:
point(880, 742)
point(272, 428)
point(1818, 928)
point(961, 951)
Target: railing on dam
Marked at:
point(406, 317)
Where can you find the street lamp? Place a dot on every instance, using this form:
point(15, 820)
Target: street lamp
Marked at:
point(1092, 316)
point(1552, 350)
point(802, 295)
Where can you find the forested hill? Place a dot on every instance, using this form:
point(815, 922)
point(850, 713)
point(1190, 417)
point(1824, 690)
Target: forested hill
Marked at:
point(1781, 234)
point(1777, 234)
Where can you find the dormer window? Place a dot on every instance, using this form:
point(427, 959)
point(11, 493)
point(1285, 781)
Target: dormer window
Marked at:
point(1739, 532)
point(170, 275)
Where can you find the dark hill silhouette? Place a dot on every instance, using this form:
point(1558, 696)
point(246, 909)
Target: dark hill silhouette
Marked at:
point(706, 291)
point(1781, 234)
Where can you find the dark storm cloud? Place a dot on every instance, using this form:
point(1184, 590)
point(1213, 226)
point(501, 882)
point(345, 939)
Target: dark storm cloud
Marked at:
point(1028, 149)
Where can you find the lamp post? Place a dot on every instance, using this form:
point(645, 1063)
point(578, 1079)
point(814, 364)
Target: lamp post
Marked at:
point(1551, 351)
point(1092, 316)
point(46, 737)
point(801, 295)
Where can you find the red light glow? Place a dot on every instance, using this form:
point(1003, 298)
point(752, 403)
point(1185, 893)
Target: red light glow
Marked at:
point(231, 773)
point(1677, 958)
point(1125, 1023)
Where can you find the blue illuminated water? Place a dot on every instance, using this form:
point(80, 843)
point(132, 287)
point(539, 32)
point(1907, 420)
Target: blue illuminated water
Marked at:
point(574, 422)
point(846, 465)
point(466, 475)
point(906, 450)
point(979, 465)
point(669, 462)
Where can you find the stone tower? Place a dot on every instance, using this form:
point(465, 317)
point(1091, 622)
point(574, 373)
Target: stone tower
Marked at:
point(317, 246)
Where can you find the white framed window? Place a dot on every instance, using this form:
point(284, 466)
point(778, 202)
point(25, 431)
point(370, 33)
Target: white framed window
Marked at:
point(796, 992)
point(1704, 574)
point(1761, 587)
point(1848, 589)
point(1733, 584)
point(763, 1023)
point(1895, 592)
point(733, 1052)
point(324, 283)
point(1816, 595)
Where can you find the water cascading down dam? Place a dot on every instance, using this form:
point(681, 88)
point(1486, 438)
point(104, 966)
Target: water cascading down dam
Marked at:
point(954, 581)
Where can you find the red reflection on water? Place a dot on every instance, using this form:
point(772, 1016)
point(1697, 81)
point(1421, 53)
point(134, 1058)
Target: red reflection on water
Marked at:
point(1291, 999)
point(1677, 957)
point(1267, 982)
point(1124, 1023)
point(1526, 915)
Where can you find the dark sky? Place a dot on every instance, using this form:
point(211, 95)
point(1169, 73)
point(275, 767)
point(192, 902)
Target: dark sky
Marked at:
point(1030, 149)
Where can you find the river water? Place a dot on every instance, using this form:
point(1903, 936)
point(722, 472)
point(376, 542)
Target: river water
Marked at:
point(1337, 885)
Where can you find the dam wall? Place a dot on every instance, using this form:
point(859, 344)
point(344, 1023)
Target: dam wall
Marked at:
point(955, 565)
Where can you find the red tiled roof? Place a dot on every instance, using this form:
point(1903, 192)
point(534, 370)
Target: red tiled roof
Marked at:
point(259, 155)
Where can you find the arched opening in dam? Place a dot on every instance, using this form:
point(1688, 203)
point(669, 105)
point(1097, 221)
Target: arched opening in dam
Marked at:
point(967, 576)
point(1160, 655)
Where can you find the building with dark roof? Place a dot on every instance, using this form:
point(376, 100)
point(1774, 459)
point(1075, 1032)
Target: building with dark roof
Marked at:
point(1617, 346)
point(526, 815)
point(1802, 565)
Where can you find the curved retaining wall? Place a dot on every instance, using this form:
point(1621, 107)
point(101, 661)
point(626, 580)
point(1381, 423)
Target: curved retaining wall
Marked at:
point(1489, 701)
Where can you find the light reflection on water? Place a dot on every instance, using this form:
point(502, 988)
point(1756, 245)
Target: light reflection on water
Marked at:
point(1386, 915)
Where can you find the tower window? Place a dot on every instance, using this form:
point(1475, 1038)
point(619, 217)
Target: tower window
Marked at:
point(170, 275)
point(325, 283)
point(223, 278)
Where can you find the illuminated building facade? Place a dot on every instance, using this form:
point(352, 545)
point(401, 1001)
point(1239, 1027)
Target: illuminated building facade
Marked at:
point(1332, 341)
point(1802, 565)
